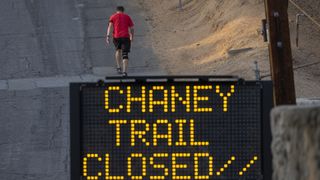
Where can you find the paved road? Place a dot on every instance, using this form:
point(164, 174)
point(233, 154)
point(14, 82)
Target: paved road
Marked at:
point(44, 45)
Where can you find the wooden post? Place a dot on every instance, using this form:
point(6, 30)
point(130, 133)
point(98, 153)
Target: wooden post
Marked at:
point(280, 52)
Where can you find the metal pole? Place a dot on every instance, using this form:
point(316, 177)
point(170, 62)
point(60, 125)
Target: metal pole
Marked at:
point(297, 28)
point(180, 5)
point(257, 71)
point(264, 30)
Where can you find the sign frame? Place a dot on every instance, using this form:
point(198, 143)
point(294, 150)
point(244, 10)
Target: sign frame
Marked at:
point(75, 114)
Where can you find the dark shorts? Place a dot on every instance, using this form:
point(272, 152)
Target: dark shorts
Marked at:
point(122, 43)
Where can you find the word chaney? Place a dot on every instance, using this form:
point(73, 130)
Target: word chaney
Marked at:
point(192, 97)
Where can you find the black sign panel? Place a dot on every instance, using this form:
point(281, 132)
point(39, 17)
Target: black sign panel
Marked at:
point(169, 130)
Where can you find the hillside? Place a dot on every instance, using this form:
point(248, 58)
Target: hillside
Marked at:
point(201, 38)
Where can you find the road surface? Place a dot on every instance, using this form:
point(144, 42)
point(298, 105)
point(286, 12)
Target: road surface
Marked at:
point(44, 45)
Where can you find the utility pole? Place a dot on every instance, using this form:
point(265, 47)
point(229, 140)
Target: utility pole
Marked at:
point(281, 64)
point(180, 5)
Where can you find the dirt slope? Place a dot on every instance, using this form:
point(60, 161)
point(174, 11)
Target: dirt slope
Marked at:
point(307, 78)
point(197, 40)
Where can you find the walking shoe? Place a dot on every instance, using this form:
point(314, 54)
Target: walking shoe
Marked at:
point(119, 71)
point(124, 74)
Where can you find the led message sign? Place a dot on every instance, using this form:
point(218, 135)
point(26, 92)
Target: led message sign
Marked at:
point(168, 130)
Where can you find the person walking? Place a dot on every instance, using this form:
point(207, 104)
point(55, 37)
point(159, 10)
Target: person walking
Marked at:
point(123, 32)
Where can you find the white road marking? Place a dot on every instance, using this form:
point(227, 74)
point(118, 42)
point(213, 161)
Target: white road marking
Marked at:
point(45, 82)
point(64, 81)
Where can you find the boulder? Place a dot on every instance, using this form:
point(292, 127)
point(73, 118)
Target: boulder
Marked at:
point(296, 143)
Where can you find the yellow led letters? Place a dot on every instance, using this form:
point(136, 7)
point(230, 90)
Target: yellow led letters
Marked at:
point(159, 119)
point(159, 166)
point(225, 96)
point(181, 141)
point(107, 169)
point(153, 102)
point(225, 166)
point(197, 156)
point(176, 166)
point(107, 103)
point(252, 161)
point(197, 99)
point(192, 136)
point(140, 133)
point(85, 166)
point(148, 98)
point(144, 166)
point(175, 95)
point(161, 162)
point(118, 129)
point(157, 136)
point(141, 99)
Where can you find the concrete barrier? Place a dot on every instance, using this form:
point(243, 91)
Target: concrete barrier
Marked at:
point(296, 143)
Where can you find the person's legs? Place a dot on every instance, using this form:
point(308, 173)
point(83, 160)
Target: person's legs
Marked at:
point(125, 65)
point(118, 54)
point(125, 54)
point(118, 57)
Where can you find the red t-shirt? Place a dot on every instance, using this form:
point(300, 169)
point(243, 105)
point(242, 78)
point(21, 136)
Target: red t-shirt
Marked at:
point(121, 23)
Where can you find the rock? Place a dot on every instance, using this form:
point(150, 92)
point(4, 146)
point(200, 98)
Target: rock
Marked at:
point(296, 143)
point(233, 52)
